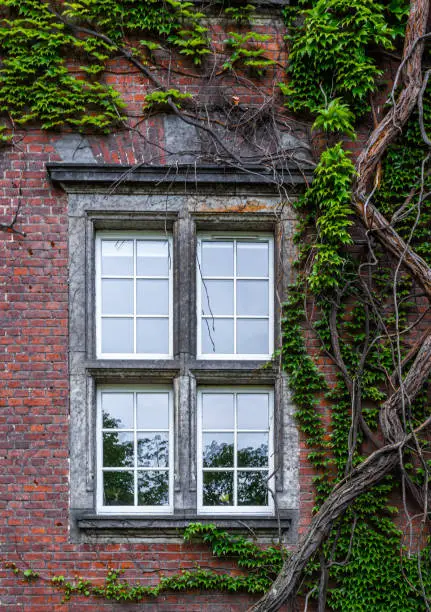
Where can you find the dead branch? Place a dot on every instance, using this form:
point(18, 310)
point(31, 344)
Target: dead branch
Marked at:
point(385, 133)
point(360, 480)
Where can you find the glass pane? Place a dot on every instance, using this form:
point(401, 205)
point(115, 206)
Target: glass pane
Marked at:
point(217, 450)
point(253, 410)
point(217, 258)
point(117, 296)
point(252, 489)
point(152, 258)
point(252, 336)
point(252, 298)
point(152, 411)
point(217, 411)
point(118, 449)
point(218, 489)
point(152, 297)
point(252, 450)
point(118, 489)
point(117, 257)
point(153, 488)
point(153, 449)
point(152, 336)
point(252, 258)
point(117, 335)
point(217, 336)
point(217, 297)
point(117, 410)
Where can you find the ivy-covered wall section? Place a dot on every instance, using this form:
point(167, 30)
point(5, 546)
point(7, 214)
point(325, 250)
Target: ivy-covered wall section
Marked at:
point(155, 82)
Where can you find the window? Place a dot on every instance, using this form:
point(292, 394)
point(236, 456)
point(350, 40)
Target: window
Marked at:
point(134, 295)
point(235, 450)
point(235, 301)
point(134, 449)
point(157, 274)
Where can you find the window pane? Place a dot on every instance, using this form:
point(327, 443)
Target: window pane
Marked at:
point(252, 489)
point(118, 489)
point(252, 449)
point(252, 259)
point(152, 297)
point(152, 258)
point(117, 410)
point(253, 410)
point(252, 337)
point(117, 296)
point(117, 335)
point(217, 411)
point(117, 257)
point(217, 450)
point(153, 449)
point(152, 411)
point(217, 258)
point(153, 488)
point(152, 336)
point(118, 449)
point(252, 298)
point(217, 336)
point(217, 297)
point(218, 489)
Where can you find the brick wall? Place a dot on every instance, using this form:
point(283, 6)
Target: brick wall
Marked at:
point(34, 417)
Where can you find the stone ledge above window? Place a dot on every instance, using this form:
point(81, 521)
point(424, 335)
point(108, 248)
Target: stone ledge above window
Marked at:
point(205, 372)
point(88, 178)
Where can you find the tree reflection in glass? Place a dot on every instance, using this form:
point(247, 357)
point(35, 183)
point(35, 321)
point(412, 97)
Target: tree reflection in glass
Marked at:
point(252, 450)
point(118, 488)
point(125, 444)
point(235, 448)
point(218, 489)
point(118, 449)
point(218, 450)
point(252, 489)
point(153, 488)
point(153, 450)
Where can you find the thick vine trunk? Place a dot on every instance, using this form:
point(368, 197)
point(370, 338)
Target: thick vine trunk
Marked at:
point(383, 461)
point(384, 134)
point(360, 480)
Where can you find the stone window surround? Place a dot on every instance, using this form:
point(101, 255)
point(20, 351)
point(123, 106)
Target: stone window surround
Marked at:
point(184, 207)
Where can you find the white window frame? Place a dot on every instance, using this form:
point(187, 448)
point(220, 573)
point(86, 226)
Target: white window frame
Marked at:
point(241, 510)
point(135, 509)
point(131, 235)
point(236, 236)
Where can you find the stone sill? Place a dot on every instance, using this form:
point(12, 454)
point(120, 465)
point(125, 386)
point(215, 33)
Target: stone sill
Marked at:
point(171, 526)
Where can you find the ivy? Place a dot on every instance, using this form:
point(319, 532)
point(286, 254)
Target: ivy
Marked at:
point(246, 51)
point(158, 99)
point(330, 51)
point(329, 198)
point(35, 82)
point(333, 69)
point(261, 567)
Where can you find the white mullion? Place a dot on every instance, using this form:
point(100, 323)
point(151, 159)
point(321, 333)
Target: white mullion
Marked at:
point(170, 312)
point(271, 301)
point(98, 295)
point(199, 297)
point(234, 296)
point(135, 446)
point(235, 450)
point(116, 277)
point(200, 478)
point(135, 256)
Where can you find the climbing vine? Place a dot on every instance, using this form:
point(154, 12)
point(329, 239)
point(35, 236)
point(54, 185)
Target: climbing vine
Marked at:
point(350, 293)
